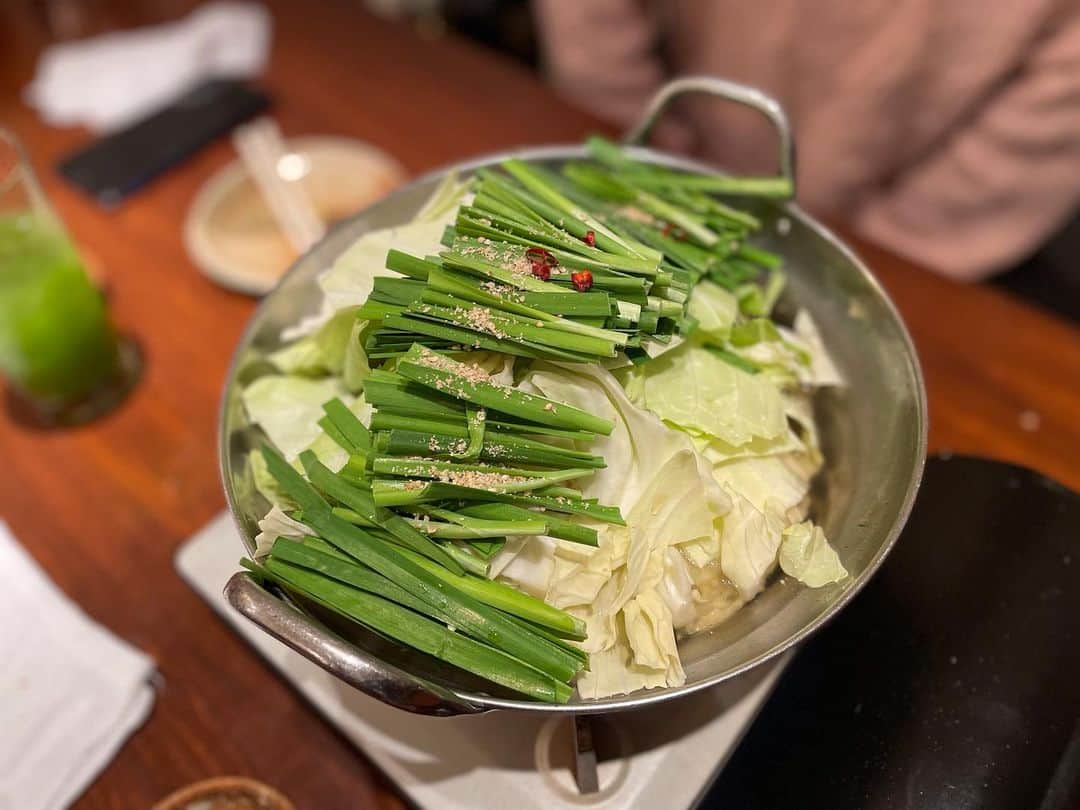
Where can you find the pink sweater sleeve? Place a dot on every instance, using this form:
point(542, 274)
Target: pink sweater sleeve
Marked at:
point(1006, 179)
point(601, 54)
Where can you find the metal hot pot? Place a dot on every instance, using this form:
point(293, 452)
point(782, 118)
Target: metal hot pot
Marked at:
point(873, 435)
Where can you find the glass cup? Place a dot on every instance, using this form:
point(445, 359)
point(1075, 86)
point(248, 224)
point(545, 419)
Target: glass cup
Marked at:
point(62, 358)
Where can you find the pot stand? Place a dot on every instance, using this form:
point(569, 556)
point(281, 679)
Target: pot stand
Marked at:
point(663, 756)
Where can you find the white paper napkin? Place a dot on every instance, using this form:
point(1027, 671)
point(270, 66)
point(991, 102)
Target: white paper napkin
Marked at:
point(70, 691)
point(110, 80)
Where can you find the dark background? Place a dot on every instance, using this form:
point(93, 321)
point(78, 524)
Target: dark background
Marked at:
point(953, 680)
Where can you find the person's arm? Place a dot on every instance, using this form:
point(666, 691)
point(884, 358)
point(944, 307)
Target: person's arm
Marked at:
point(601, 54)
point(1001, 184)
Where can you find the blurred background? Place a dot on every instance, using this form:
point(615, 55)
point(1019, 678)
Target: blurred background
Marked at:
point(962, 157)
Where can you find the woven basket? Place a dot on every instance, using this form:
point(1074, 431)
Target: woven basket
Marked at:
point(225, 793)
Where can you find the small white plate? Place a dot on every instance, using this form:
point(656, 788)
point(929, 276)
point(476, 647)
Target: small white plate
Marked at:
point(230, 233)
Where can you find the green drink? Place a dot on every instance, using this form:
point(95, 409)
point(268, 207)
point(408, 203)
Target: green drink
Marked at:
point(58, 350)
point(56, 343)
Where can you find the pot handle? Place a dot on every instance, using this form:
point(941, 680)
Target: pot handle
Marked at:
point(382, 681)
point(731, 91)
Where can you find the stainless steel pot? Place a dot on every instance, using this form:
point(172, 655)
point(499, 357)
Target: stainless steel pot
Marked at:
point(873, 435)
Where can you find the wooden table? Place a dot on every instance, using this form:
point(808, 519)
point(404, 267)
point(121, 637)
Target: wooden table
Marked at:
point(104, 508)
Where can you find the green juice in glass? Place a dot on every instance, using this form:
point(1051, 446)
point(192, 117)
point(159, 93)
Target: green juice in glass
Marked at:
point(56, 342)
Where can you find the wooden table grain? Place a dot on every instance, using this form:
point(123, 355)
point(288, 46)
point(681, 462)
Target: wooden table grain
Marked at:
point(103, 508)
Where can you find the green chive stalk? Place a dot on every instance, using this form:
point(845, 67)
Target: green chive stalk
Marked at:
point(509, 600)
point(394, 621)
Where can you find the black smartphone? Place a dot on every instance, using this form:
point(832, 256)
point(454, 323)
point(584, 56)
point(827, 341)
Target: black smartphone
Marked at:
point(118, 164)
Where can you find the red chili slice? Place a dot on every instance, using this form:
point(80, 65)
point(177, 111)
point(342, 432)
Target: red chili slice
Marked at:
point(589, 239)
point(540, 262)
point(582, 280)
point(674, 232)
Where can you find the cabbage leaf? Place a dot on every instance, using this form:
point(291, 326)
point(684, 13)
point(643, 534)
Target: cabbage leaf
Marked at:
point(265, 483)
point(288, 408)
point(696, 390)
point(637, 447)
point(277, 524)
point(823, 371)
point(349, 281)
point(749, 544)
point(629, 588)
point(781, 479)
point(806, 555)
point(322, 352)
point(714, 309)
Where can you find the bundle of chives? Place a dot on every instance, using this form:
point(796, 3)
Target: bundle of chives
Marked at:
point(394, 565)
point(393, 620)
point(574, 267)
point(446, 433)
point(410, 586)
